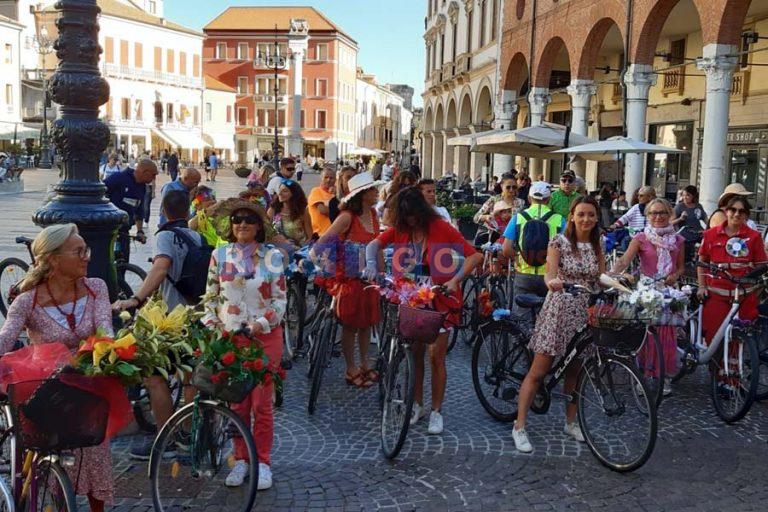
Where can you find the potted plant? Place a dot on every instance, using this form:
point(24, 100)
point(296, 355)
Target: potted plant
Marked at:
point(464, 213)
point(242, 172)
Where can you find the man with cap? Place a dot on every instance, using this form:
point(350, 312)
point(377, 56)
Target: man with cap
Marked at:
point(287, 168)
point(529, 279)
point(561, 199)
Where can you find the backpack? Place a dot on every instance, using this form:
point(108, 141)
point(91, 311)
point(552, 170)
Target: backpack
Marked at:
point(533, 239)
point(194, 270)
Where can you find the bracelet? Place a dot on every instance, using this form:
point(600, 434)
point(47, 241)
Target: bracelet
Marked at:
point(139, 302)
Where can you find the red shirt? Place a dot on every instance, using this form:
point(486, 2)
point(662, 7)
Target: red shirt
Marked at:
point(720, 248)
point(443, 246)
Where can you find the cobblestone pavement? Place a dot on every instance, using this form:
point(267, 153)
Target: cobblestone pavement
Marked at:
point(332, 461)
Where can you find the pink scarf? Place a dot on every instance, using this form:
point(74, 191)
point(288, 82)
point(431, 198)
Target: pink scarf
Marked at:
point(665, 241)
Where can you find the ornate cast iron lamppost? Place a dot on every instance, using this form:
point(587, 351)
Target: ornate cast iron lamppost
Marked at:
point(277, 62)
point(79, 89)
point(44, 45)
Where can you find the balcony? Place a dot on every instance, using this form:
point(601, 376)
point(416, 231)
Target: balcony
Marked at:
point(448, 70)
point(32, 112)
point(673, 82)
point(145, 75)
point(269, 98)
point(740, 86)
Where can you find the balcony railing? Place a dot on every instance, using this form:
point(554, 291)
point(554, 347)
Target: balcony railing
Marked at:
point(616, 93)
point(740, 86)
point(269, 130)
point(31, 112)
point(270, 98)
point(673, 82)
point(147, 75)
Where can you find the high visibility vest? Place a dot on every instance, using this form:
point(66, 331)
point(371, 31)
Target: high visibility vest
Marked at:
point(536, 211)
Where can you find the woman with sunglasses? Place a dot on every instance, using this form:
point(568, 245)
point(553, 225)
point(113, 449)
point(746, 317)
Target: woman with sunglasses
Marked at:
point(662, 255)
point(484, 215)
point(289, 213)
point(246, 285)
point(734, 247)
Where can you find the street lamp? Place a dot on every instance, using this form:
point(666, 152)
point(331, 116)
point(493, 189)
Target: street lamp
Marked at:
point(277, 62)
point(44, 45)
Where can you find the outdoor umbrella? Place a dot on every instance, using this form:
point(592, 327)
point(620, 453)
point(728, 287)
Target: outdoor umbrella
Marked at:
point(470, 138)
point(533, 141)
point(365, 152)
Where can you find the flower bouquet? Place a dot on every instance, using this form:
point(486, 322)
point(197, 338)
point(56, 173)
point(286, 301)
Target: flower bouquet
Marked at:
point(231, 364)
point(651, 302)
point(403, 290)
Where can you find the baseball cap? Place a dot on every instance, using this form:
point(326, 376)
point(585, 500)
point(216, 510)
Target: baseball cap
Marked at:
point(540, 190)
point(568, 173)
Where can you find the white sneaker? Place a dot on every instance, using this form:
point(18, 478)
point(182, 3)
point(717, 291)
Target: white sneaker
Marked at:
point(416, 413)
point(237, 476)
point(520, 438)
point(574, 430)
point(667, 387)
point(435, 423)
point(265, 477)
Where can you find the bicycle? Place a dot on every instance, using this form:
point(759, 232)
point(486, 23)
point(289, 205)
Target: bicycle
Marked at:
point(616, 413)
point(732, 354)
point(13, 270)
point(321, 335)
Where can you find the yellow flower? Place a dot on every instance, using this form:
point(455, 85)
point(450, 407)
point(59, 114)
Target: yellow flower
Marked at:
point(124, 342)
point(156, 315)
point(100, 349)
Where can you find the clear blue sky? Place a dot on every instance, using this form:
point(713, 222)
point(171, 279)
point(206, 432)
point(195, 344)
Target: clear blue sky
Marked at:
point(389, 33)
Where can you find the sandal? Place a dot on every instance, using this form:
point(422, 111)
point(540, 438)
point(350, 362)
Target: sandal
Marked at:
point(370, 374)
point(357, 380)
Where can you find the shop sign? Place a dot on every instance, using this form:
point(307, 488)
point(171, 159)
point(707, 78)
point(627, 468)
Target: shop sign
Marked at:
point(747, 137)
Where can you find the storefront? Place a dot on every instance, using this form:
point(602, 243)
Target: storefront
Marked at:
point(747, 162)
point(668, 173)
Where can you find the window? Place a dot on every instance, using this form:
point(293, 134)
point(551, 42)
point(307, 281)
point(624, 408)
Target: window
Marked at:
point(262, 86)
point(242, 85)
point(221, 50)
point(138, 110)
point(262, 117)
point(196, 65)
point(195, 115)
point(182, 64)
point(483, 19)
point(242, 51)
point(321, 52)
point(158, 59)
point(442, 50)
point(125, 108)
point(169, 112)
point(152, 7)
point(470, 20)
point(9, 94)
point(263, 50)
point(158, 112)
point(229, 113)
point(303, 86)
point(8, 53)
point(123, 53)
point(242, 116)
point(321, 87)
point(282, 86)
point(138, 55)
point(281, 118)
point(109, 50)
point(208, 112)
point(494, 19)
point(320, 118)
point(170, 67)
point(303, 117)
point(677, 52)
point(454, 35)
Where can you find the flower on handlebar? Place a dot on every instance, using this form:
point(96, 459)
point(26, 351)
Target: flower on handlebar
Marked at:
point(403, 290)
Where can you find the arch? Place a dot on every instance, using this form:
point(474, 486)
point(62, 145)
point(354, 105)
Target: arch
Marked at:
point(429, 123)
point(546, 60)
point(483, 104)
point(652, 26)
point(465, 108)
point(592, 45)
point(731, 21)
point(516, 74)
point(439, 117)
point(450, 115)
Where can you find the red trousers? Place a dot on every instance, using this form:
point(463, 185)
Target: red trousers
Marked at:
point(256, 410)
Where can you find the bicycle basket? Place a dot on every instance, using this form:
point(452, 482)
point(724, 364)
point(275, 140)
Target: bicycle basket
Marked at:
point(419, 325)
point(232, 392)
point(53, 415)
point(618, 334)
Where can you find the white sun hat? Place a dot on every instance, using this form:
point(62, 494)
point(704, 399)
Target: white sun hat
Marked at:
point(359, 183)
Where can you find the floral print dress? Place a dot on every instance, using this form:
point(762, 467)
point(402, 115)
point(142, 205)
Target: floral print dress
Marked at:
point(562, 314)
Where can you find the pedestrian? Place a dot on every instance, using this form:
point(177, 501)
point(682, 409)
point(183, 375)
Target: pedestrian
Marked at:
point(111, 167)
point(289, 215)
point(173, 165)
point(147, 204)
point(247, 287)
point(527, 247)
point(287, 169)
point(635, 217)
point(662, 256)
point(605, 200)
point(342, 189)
point(357, 306)
point(213, 162)
point(387, 171)
point(187, 181)
point(422, 236)
point(575, 257)
point(619, 206)
point(318, 201)
point(299, 168)
point(561, 199)
point(203, 200)
point(691, 215)
point(164, 161)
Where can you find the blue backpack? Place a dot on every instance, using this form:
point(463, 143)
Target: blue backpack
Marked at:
point(533, 240)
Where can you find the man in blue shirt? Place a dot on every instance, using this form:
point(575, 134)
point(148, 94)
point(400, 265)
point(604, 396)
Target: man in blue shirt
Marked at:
point(189, 178)
point(214, 163)
point(126, 190)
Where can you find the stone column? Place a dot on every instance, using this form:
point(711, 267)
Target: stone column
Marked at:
point(298, 40)
point(448, 152)
point(79, 89)
point(437, 154)
point(581, 92)
point(505, 114)
point(461, 155)
point(426, 155)
point(639, 79)
point(719, 67)
point(538, 100)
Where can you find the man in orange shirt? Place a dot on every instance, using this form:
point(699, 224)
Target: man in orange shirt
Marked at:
point(318, 201)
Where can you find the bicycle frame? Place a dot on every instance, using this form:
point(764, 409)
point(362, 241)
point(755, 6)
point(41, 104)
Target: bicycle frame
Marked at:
point(576, 346)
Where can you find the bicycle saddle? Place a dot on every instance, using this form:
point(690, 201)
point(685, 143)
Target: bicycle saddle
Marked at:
point(529, 301)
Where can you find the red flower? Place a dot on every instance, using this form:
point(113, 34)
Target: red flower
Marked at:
point(228, 358)
point(266, 290)
point(258, 365)
point(198, 352)
point(218, 378)
point(127, 353)
point(241, 341)
point(281, 283)
point(225, 334)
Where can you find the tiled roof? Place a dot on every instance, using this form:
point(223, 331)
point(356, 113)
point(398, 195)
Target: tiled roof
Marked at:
point(212, 83)
point(265, 18)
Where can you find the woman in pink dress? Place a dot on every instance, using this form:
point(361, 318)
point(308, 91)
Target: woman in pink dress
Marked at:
point(60, 304)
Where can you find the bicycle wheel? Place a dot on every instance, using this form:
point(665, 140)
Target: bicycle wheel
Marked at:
point(649, 360)
point(6, 498)
point(322, 359)
point(500, 361)
point(464, 331)
point(683, 341)
point(734, 384)
point(51, 489)
point(762, 385)
point(129, 279)
point(311, 302)
point(294, 322)
point(12, 270)
point(616, 413)
point(398, 401)
point(142, 410)
point(191, 479)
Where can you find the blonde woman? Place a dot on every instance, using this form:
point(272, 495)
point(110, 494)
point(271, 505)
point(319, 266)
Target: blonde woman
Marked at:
point(59, 303)
point(342, 189)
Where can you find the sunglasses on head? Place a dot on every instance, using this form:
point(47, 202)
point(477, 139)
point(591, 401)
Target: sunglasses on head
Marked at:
point(566, 180)
point(287, 182)
point(738, 211)
point(248, 219)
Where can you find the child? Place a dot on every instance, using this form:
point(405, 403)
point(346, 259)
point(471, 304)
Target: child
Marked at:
point(502, 214)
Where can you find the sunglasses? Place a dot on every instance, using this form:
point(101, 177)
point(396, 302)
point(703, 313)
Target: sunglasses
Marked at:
point(658, 213)
point(510, 187)
point(566, 180)
point(248, 219)
point(290, 169)
point(738, 211)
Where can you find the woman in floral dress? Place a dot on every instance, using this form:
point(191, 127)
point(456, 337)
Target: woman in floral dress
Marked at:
point(246, 288)
point(575, 257)
point(60, 304)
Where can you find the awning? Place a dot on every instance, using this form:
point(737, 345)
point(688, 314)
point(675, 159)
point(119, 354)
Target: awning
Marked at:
point(533, 141)
point(220, 140)
point(22, 131)
point(181, 138)
point(470, 138)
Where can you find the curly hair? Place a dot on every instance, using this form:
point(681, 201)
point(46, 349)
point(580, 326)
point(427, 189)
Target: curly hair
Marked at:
point(410, 203)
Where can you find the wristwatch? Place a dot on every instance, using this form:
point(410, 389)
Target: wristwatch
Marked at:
point(139, 302)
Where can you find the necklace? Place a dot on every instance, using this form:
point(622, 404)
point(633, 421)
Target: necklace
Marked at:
point(71, 321)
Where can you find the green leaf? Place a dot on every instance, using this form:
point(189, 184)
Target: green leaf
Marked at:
point(162, 372)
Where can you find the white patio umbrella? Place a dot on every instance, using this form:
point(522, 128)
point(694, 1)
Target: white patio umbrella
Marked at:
point(616, 146)
point(470, 138)
point(365, 152)
point(533, 141)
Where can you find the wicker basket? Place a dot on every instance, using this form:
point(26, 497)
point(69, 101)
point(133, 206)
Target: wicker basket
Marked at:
point(419, 325)
point(619, 334)
point(233, 393)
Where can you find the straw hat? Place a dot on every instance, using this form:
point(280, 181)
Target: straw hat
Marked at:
point(360, 183)
point(737, 189)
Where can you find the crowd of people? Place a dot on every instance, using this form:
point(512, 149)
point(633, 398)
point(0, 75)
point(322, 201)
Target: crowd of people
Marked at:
point(551, 233)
